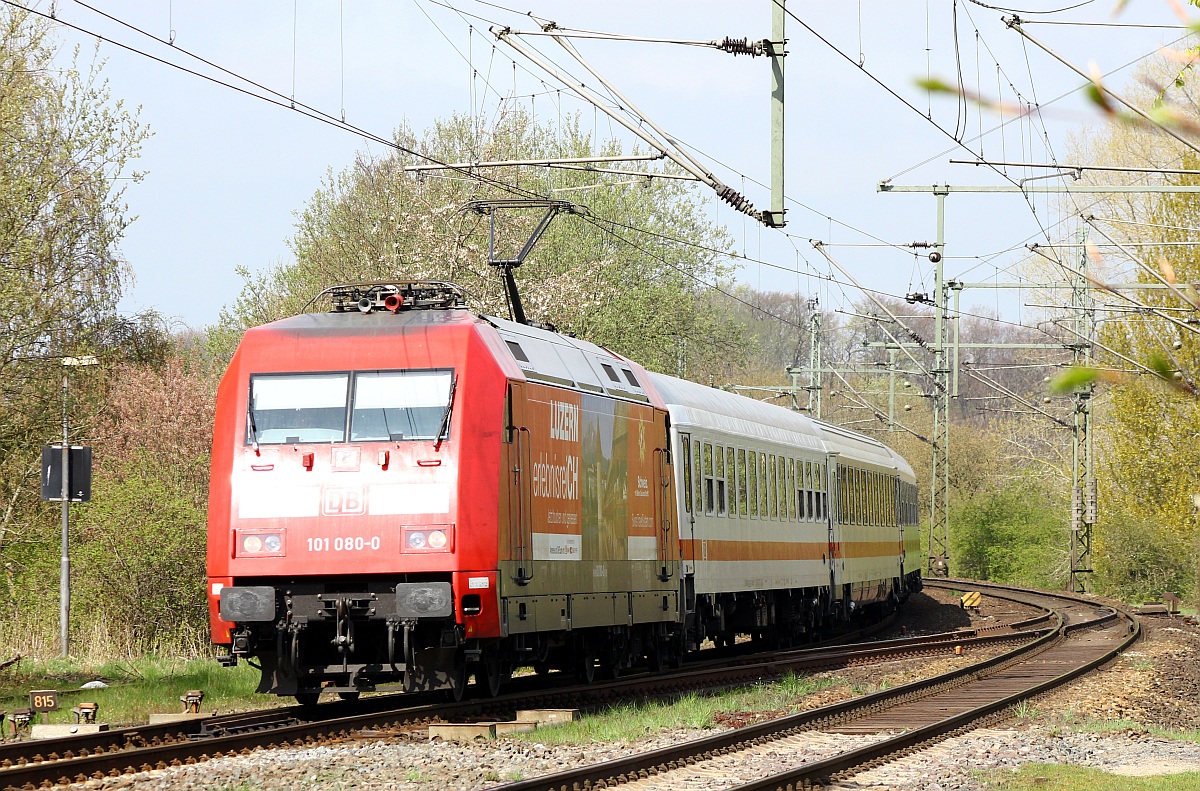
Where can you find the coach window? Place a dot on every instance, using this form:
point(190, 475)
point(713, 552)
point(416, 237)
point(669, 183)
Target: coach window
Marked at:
point(804, 483)
point(781, 466)
point(872, 499)
point(801, 513)
point(731, 477)
point(824, 488)
point(860, 490)
point(763, 510)
point(788, 488)
point(848, 518)
point(752, 481)
point(297, 408)
point(719, 479)
point(843, 494)
point(772, 503)
point(741, 478)
point(686, 443)
point(699, 476)
point(709, 483)
point(852, 495)
point(868, 517)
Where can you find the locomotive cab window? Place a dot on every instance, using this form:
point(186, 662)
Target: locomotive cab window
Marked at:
point(315, 408)
point(400, 405)
point(292, 408)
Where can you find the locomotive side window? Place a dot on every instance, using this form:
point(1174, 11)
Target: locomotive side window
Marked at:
point(608, 369)
point(517, 351)
point(629, 377)
point(400, 405)
point(297, 408)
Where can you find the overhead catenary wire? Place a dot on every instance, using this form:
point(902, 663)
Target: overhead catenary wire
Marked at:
point(282, 100)
point(370, 136)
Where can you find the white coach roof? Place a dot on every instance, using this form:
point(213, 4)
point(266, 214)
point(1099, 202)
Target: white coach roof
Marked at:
point(694, 405)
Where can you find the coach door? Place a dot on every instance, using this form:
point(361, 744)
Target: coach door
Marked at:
point(834, 517)
point(687, 522)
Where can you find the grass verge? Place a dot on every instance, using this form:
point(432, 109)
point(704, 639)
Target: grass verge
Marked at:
point(1058, 777)
point(136, 689)
point(629, 721)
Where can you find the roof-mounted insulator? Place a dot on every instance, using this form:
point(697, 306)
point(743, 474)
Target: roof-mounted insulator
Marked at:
point(742, 46)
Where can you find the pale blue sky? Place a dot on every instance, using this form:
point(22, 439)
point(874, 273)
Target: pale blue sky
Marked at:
point(227, 172)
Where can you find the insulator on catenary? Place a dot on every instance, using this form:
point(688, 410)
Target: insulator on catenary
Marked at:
point(735, 199)
point(741, 46)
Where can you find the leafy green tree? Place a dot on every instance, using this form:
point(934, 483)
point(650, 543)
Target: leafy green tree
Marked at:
point(610, 273)
point(63, 144)
point(1015, 535)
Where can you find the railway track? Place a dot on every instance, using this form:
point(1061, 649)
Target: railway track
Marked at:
point(1084, 636)
point(35, 764)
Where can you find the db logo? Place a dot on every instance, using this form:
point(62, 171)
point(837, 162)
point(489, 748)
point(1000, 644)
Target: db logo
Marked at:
point(343, 502)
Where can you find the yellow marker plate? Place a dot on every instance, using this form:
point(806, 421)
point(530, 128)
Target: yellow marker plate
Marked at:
point(971, 599)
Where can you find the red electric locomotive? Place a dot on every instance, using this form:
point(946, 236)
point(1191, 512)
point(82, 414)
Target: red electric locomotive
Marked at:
point(403, 490)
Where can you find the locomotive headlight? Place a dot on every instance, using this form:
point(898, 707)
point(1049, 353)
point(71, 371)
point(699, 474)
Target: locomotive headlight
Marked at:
point(248, 544)
point(428, 538)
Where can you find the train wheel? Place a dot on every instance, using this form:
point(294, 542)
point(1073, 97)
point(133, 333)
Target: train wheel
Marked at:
point(655, 649)
point(457, 676)
point(585, 658)
point(489, 673)
point(308, 699)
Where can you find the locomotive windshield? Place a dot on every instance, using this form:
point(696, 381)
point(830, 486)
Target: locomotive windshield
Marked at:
point(399, 405)
point(298, 408)
point(312, 408)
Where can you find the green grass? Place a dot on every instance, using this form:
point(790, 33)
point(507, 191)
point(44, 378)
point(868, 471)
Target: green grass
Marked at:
point(1071, 721)
point(136, 689)
point(630, 721)
point(1058, 777)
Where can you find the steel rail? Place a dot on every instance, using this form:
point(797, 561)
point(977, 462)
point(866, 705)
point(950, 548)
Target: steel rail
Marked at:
point(841, 765)
point(666, 759)
point(126, 750)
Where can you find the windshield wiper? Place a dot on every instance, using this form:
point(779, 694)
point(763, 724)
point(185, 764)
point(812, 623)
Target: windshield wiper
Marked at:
point(444, 425)
point(253, 429)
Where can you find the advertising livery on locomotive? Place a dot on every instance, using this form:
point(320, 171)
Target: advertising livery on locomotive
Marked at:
point(406, 491)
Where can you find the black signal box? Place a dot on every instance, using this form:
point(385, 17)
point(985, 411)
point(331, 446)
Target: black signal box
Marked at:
point(79, 475)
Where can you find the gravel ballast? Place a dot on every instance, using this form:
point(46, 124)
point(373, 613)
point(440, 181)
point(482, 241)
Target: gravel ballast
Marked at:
point(1155, 684)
